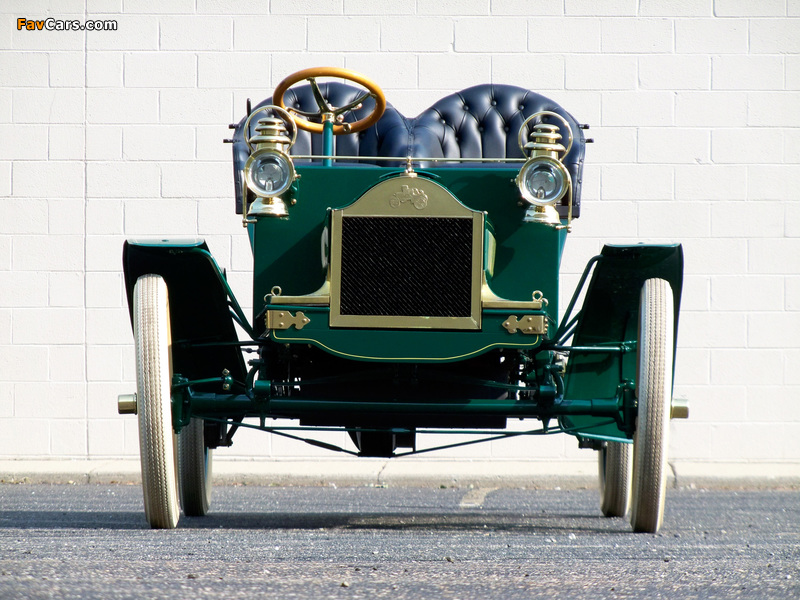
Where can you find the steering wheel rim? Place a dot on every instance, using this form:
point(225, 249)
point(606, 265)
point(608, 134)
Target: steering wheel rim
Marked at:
point(338, 128)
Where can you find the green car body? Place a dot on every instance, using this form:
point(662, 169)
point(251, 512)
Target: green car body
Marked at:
point(403, 379)
point(406, 281)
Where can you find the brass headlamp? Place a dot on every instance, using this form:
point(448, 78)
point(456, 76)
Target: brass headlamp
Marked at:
point(543, 179)
point(269, 171)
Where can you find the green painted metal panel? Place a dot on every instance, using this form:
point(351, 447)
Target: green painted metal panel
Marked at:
point(290, 253)
point(198, 305)
point(528, 255)
point(610, 316)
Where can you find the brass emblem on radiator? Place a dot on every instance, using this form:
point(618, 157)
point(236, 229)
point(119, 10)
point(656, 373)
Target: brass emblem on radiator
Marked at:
point(417, 197)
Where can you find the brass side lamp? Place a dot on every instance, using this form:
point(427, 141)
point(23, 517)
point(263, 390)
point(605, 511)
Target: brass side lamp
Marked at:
point(544, 180)
point(269, 171)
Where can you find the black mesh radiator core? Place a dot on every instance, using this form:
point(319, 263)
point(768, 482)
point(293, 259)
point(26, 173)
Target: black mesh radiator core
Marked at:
point(416, 266)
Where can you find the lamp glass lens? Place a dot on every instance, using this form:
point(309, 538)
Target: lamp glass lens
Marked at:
point(544, 183)
point(271, 174)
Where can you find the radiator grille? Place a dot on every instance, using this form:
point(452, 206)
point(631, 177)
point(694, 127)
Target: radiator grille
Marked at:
point(417, 267)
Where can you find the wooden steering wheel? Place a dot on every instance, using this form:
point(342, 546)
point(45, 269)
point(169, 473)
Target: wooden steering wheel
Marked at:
point(326, 111)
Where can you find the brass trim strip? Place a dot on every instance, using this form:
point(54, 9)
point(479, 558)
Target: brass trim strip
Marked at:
point(491, 300)
point(322, 297)
point(309, 300)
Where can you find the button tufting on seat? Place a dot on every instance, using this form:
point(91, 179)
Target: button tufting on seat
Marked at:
point(521, 107)
point(494, 102)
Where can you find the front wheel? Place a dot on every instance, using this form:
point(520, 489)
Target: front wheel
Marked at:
point(153, 384)
point(194, 469)
point(654, 392)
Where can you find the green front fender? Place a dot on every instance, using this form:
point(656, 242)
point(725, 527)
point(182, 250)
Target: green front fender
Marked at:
point(201, 321)
point(609, 317)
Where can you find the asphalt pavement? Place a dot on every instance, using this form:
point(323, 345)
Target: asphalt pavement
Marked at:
point(91, 541)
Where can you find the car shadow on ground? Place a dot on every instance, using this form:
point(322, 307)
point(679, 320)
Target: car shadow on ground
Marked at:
point(447, 520)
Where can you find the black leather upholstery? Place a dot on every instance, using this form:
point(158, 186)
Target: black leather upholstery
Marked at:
point(480, 122)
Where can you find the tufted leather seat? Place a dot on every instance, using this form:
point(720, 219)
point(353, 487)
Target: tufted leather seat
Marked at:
point(480, 122)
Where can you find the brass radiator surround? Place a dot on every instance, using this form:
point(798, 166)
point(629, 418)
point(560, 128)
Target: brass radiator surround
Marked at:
point(407, 197)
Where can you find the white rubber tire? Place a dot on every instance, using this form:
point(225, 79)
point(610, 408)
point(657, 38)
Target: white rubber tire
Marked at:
point(654, 392)
point(194, 470)
point(153, 383)
point(615, 467)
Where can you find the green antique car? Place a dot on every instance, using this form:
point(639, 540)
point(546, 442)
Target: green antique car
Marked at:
point(406, 282)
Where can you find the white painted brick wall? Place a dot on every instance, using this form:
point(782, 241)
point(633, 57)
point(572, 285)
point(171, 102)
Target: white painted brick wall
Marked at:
point(694, 105)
